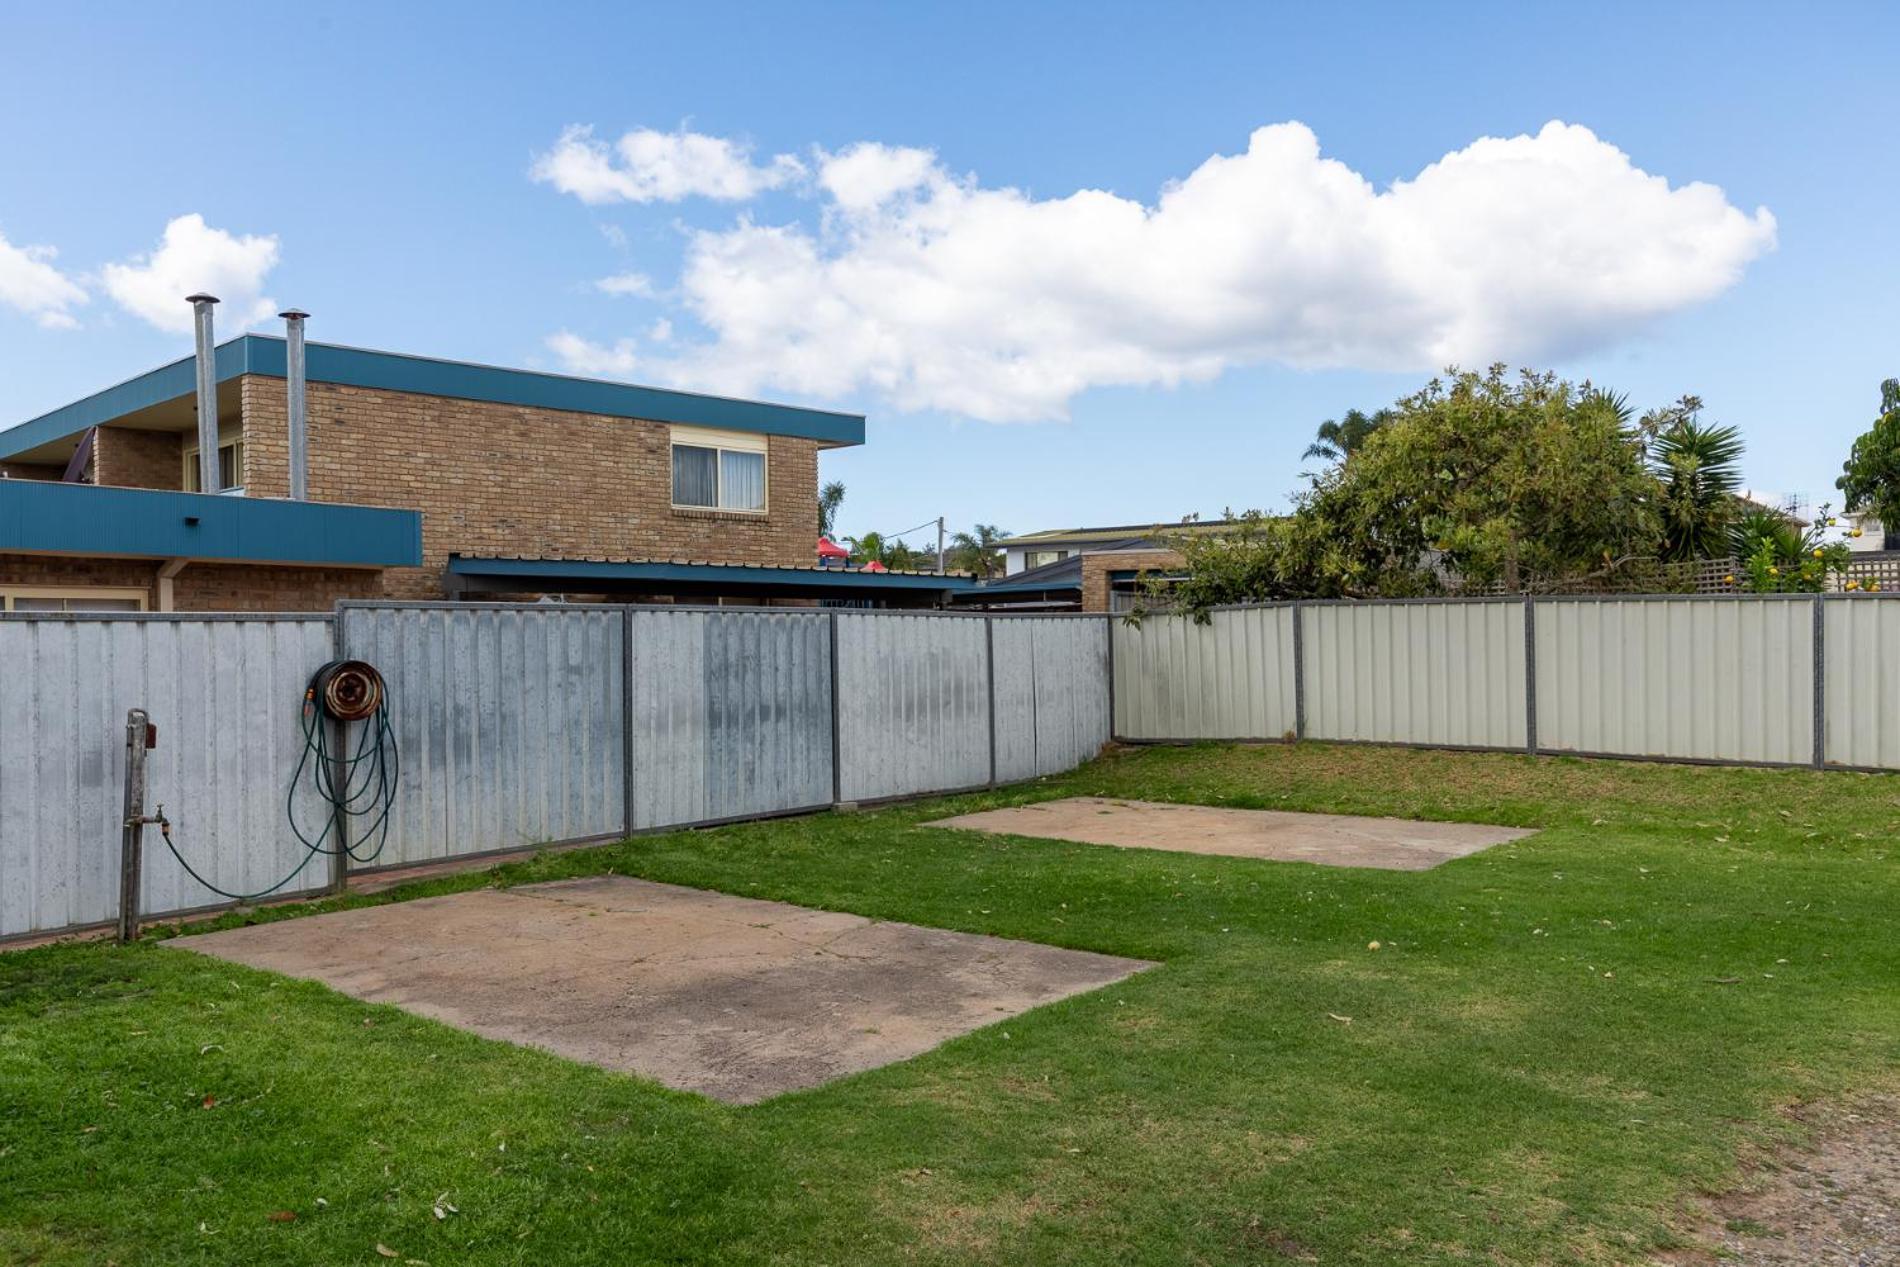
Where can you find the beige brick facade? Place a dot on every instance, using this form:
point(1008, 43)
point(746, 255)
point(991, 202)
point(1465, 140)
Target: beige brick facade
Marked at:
point(199, 587)
point(30, 471)
point(1096, 567)
point(125, 457)
point(495, 479)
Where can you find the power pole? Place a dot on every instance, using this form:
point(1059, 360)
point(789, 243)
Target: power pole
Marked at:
point(940, 567)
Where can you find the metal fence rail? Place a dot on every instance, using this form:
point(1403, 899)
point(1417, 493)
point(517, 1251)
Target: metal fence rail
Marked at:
point(1234, 678)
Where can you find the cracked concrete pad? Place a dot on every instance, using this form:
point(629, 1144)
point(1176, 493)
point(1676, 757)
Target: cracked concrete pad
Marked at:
point(1338, 840)
point(735, 998)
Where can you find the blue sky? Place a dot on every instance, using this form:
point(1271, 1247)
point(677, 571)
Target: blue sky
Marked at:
point(391, 151)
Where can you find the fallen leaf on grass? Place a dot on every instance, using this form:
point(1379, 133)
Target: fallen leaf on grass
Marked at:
point(385, 1251)
point(209, 1102)
point(282, 1216)
point(1343, 1020)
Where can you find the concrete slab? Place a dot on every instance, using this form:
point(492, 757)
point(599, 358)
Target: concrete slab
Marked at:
point(1336, 840)
point(735, 998)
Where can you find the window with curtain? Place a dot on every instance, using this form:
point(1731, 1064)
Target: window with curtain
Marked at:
point(718, 471)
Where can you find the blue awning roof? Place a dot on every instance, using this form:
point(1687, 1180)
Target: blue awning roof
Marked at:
point(460, 380)
point(577, 573)
point(44, 517)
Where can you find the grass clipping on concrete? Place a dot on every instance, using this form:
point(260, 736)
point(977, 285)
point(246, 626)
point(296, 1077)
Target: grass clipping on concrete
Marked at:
point(1555, 1046)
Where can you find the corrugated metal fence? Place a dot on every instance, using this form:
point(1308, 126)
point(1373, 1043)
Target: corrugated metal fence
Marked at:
point(1796, 679)
point(516, 725)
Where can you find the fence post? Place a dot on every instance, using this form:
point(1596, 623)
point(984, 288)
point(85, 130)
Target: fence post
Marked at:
point(1820, 682)
point(1530, 675)
point(837, 769)
point(131, 839)
point(1108, 626)
point(626, 718)
point(1299, 671)
point(989, 664)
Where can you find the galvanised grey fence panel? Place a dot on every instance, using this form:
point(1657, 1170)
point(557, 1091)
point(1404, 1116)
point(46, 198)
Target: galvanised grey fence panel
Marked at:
point(731, 714)
point(226, 696)
point(913, 704)
point(1426, 673)
point(1051, 693)
point(1863, 680)
point(1722, 679)
point(1230, 679)
point(509, 721)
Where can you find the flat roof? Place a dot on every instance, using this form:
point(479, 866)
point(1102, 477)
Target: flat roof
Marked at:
point(1119, 532)
point(852, 581)
point(429, 376)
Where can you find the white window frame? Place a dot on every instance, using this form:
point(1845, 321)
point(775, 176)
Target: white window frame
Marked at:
point(726, 441)
point(1059, 556)
point(229, 439)
point(8, 593)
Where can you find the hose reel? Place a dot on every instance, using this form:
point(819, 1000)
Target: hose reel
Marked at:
point(354, 782)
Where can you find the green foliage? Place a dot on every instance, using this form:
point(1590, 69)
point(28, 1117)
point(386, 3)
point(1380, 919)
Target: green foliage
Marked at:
point(1698, 467)
point(1780, 558)
point(830, 497)
point(1479, 480)
point(1338, 439)
point(1870, 478)
point(889, 551)
point(978, 550)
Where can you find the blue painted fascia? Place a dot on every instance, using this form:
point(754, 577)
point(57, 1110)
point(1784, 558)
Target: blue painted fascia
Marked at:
point(83, 519)
point(596, 569)
point(390, 371)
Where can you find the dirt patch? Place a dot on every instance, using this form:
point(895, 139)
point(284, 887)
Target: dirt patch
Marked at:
point(1338, 840)
point(1835, 1203)
point(735, 998)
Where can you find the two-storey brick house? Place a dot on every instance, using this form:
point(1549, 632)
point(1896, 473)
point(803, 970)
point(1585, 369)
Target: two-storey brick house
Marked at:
point(425, 479)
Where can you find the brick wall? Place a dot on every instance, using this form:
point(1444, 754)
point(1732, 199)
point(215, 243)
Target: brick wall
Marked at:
point(126, 457)
point(235, 587)
point(1096, 567)
point(200, 587)
point(31, 471)
point(495, 479)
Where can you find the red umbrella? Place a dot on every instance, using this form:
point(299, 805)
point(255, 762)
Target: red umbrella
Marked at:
point(875, 566)
point(829, 549)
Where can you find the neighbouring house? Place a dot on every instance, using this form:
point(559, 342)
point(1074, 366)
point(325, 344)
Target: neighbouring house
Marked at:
point(1082, 569)
point(424, 479)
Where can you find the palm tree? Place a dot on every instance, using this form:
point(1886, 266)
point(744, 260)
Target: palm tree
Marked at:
point(830, 497)
point(978, 550)
point(1699, 468)
point(1339, 439)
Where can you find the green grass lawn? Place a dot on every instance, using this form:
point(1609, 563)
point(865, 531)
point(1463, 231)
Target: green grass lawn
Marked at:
point(1557, 1043)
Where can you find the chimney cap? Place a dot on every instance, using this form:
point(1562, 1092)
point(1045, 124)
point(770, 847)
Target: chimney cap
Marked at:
point(293, 312)
point(201, 298)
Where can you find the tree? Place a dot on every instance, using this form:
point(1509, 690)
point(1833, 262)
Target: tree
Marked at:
point(1339, 439)
point(1699, 469)
point(1476, 482)
point(889, 551)
point(978, 550)
point(830, 497)
point(1870, 478)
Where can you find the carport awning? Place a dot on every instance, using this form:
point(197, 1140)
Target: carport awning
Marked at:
point(673, 578)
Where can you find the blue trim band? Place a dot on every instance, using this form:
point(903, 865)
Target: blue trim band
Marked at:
point(83, 519)
point(391, 371)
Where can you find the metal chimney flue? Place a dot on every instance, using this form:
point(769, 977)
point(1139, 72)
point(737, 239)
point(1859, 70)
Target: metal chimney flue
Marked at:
point(208, 480)
point(298, 411)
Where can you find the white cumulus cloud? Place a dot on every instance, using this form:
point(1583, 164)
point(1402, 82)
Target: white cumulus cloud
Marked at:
point(940, 293)
point(193, 257)
point(649, 166)
point(30, 282)
point(637, 285)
